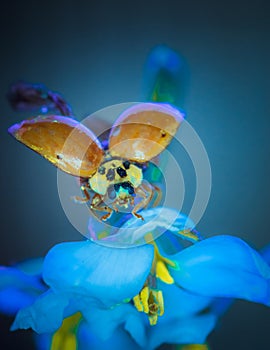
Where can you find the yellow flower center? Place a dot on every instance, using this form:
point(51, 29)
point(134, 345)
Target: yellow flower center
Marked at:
point(150, 299)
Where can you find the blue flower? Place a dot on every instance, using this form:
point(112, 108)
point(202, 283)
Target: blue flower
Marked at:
point(108, 286)
point(20, 285)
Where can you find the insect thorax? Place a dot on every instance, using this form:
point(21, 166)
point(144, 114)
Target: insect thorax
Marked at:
point(116, 176)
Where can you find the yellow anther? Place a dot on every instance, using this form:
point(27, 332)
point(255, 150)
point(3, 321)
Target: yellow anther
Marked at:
point(153, 319)
point(150, 299)
point(65, 336)
point(137, 302)
point(160, 302)
point(151, 302)
point(163, 273)
point(144, 299)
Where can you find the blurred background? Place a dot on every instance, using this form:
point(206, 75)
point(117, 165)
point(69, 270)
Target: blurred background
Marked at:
point(94, 54)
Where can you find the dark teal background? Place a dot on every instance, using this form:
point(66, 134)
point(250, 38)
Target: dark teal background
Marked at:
point(93, 53)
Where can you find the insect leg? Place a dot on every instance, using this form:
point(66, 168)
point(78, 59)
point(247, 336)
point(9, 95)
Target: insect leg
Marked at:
point(145, 192)
point(148, 188)
point(131, 201)
point(96, 203)
point(115, 207)
point(85, 188)
point(153, 188)
point(159, 195)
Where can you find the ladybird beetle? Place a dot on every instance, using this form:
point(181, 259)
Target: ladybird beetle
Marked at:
point(113, 176)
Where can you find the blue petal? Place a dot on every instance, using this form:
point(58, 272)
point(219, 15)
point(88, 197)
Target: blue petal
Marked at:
point(108, 274)
point(181, 304)
point(182, 321)
point(103, 322)
point(31, 266)
point(220, 305)
point(13, 299)
point(189, 330)
point(156, 221)
point(119, 340)
point(160, 217)
point(265, 252)
point(12, 276)
point(44, 316)
point(43, 341)
point(223, 266)
point(18, 289)
point(163, 76)
point(135, 326)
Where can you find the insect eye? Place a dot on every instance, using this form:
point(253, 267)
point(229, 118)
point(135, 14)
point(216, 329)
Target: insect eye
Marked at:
point(128, 186)
point(116, 187)
point(131, 189)
point(111, 192)
point(126, 164)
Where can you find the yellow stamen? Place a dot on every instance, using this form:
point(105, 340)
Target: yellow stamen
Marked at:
point(160, 302)
point(153, 319)
point(144, 295)
point(65, 337)
point(160, 269)
point(162, 272)
point(160, 266)
point(137, 302)
point(150, 299)
point(151, 302)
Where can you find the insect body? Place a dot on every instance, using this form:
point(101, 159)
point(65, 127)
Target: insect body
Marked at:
point(115, 176)
point(116, 183)
point(116, 172)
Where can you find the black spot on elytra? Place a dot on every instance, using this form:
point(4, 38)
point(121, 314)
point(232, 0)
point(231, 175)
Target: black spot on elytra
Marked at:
point(126, 164)
point(163, 133)
point(110, 175)
point(58, 156)
point(121, 172)
point(101, 170)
